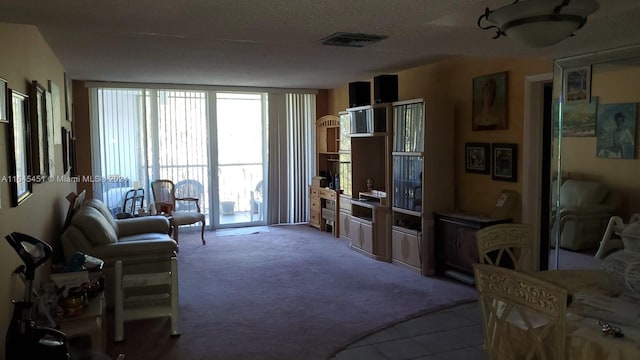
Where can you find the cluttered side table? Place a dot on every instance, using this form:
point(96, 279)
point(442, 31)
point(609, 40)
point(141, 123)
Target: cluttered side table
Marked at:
point(81, 309)
point(91, 322)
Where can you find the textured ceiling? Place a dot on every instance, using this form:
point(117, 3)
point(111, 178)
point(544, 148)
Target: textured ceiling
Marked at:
point(277, 43)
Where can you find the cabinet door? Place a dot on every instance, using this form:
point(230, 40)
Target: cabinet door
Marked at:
point(467, 249)
point(345, 224)
point(354, 233)
point(446, 244)
point(361, 234)
point(405, 247)
point(366, 232)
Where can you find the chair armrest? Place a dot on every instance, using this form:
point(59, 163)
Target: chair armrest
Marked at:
point(196, 200)
point(138, 250)
point(588, 211)
point(144, 224)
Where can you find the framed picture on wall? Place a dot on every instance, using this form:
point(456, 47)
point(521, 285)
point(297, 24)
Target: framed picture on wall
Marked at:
point(576, 85)
point(477, 158)
point(505, 162)
point(490, 102)
point(39, 145)
point(68, 96)
point(4, 112)
point(19, 148)
point(616, 131)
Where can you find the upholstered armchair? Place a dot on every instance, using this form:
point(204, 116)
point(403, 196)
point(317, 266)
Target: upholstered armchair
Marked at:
point(585, 209)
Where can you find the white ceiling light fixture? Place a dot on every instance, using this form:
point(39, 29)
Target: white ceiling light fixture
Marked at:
point(538, 23)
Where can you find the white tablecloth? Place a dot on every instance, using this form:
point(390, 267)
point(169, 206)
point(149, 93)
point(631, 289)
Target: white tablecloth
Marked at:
point(591, 290)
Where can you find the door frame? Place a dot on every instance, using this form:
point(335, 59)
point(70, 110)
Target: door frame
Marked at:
point(532, 160)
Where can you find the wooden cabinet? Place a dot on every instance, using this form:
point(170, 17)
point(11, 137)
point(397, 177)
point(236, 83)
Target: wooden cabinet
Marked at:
point(368, 227)
point(323, 206)
point(314, 206)
point(421, 182)
point(370, 134)
point(456, 244)
point(323, 199)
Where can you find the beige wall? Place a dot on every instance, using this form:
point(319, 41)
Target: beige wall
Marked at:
point(27, 57)
point(452, 79)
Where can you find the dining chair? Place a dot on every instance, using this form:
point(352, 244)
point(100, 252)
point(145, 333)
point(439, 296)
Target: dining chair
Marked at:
point(171, 197)
point(523, 316)
point(504, 245)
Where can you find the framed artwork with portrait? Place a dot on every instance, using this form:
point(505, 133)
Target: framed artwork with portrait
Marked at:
point(505, 162)
point(616, 131)
point(576, 85)
point(477, 158)
point(490, 102)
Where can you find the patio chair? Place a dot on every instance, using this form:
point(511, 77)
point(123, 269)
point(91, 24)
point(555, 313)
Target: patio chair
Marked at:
point(171, 199)
point(257, 201)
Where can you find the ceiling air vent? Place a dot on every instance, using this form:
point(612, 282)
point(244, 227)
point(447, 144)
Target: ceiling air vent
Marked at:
point(351, 40)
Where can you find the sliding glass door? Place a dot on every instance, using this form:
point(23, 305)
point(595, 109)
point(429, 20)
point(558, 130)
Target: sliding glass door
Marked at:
point(144, 135)
point(215, 138)
point(240, 124)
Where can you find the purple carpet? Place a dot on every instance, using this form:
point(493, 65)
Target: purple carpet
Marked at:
point(291, 293)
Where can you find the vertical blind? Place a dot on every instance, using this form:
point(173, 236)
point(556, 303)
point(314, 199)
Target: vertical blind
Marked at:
point(300, 119)
point(149, 134)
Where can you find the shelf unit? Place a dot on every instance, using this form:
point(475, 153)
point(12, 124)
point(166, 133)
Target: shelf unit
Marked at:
point(369, 221)
point(422, 180)
point(323, 198)
point(328, 143)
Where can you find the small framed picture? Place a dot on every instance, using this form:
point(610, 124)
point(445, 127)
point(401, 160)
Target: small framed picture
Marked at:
point(576, 85)
point(477, 158)
point(4, 113)
point(505, 162)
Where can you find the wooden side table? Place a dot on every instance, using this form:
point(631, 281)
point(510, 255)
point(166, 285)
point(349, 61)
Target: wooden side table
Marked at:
point(91, 322)
point(456, 244)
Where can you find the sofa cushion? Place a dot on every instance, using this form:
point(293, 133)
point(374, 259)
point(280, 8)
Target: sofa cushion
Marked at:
point(104, 210)
point(582, 193)
point(95, 226)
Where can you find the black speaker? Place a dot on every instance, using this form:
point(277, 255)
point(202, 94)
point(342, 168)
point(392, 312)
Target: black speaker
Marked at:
point(359, 93)
point(385, 88)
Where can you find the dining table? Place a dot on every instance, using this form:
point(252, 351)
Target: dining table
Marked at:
point(595, 300)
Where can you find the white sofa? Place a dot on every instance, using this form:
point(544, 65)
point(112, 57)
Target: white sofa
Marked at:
point(142, 244)
point(585, 210)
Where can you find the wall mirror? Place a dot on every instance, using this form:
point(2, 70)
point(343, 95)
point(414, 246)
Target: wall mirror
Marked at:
point(594, 162)
point(19, 147)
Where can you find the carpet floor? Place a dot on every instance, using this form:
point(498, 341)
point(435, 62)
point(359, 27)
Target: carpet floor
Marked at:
point(290, 293)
